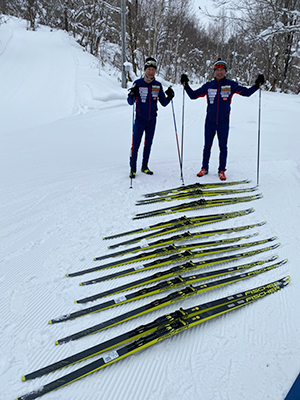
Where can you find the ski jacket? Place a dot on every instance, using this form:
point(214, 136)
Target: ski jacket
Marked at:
point(219, 95)
point(146, 101)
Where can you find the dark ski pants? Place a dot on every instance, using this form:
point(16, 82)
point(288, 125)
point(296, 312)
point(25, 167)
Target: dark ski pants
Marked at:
point(222, 131)
point(139, 128)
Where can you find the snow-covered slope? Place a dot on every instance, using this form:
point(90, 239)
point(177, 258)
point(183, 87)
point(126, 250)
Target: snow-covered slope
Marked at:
point(65, 133)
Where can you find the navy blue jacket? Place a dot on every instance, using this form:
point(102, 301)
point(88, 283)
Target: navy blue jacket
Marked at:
point(219, 95)
point(146, 101)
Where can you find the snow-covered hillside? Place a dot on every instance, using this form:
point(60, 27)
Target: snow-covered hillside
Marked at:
point(65, 134)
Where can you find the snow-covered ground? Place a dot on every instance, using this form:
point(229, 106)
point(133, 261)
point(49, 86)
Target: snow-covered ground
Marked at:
point(65, 132)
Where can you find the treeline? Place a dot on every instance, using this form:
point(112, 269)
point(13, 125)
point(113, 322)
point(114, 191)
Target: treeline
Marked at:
point(251, 35)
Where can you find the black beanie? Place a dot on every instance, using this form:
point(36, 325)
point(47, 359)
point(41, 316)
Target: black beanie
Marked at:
point(150, 62)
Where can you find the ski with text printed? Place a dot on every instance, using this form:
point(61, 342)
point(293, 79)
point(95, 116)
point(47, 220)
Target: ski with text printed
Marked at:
point(175, 323)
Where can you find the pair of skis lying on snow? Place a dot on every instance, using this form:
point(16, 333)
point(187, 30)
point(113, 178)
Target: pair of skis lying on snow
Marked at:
point(191, 192)
point(175, 322)
point(149, 334)
point(165, 326)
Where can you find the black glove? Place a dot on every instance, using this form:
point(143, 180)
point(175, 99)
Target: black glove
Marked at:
point(170, 93)
point(184, 80)
point(259, 81)
point(133, 92)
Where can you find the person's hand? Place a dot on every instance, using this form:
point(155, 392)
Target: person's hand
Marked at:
point(170, 93)
point(184, 80)
point(133, 92)
point(259, 81)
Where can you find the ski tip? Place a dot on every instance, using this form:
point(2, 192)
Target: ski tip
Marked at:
point(80, 284)
point(23, 378)
point(56, 342)
point(284, 261)
point(275, 245)
point(50, 321)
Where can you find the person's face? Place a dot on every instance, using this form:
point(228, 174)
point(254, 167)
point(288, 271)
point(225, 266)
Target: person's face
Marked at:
point(220, 73)
point(150, 72)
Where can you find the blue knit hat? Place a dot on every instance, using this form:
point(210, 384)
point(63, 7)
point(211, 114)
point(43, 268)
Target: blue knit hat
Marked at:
point(220, 64)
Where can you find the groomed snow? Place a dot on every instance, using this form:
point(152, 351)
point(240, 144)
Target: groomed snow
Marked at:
point(65, 132)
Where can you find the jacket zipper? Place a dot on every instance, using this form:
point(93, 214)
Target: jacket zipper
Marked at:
point(150, 94)
point(218, 99)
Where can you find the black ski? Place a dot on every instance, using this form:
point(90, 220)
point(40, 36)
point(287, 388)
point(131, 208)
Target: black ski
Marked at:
point(164, 251)
point(152, 326)
point(162, 287)
point(195, 186)
point(178, 238)
point(159, 303)
point(195, 205)
point(174, 271)
point(180, 221)
point(175, 258)
point(195, 194)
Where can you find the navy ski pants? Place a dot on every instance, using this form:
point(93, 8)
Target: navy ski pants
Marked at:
point(141, 126)
point(222, 131)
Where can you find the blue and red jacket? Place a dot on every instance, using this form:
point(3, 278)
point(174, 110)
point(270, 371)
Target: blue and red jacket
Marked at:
point(219, 95)
point(146, 101)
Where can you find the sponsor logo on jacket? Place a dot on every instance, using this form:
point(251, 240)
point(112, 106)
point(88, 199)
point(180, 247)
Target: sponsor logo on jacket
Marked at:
point(225, 92)
point(211, 93)
point(155, 92)
point(143, 93)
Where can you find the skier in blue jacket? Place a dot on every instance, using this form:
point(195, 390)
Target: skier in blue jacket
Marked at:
point(219, 93)
point(144, 93)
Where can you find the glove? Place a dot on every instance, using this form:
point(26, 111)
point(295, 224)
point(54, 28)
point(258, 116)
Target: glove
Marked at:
point(184, 80)
point(170, 93)
point(133, 92)
point(259, 81)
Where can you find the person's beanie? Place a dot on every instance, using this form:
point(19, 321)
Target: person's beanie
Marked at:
point(150, 62)
point(220, 64)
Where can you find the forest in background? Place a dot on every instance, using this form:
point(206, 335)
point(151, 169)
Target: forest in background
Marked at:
point(253, 36)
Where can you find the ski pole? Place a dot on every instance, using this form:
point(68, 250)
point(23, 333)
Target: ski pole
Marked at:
point(177, 142)
point(131, 151)
point(258, 136)
point(182, 130)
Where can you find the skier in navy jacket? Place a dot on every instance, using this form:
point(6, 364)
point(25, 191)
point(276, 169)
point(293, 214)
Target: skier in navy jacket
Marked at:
point(145, 93)
point(219, 93)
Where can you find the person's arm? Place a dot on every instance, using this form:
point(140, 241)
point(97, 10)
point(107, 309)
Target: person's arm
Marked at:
point(247, 92)
point(193, 94)
point(133, 94)
point(165, 99)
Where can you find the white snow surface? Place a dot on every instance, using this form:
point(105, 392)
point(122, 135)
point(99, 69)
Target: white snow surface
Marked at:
point(65, 132)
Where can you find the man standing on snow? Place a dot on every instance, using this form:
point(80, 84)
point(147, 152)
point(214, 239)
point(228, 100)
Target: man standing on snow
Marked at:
point(145, 93)
point(219, 93)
